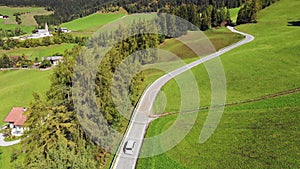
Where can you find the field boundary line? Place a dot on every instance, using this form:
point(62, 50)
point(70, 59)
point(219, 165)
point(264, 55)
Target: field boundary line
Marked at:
point(265, 97)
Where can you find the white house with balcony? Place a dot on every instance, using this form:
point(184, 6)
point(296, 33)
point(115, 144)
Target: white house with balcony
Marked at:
point(16, 120)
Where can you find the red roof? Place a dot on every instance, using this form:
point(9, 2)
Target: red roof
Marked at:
point(16, 116)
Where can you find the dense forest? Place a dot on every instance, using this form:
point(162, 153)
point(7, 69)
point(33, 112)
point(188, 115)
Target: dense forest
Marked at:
point(203, 13)
point(69, 10)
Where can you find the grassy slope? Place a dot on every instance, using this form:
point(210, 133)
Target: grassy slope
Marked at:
point(91, 23)
point(234, 13)
point(16, 89)
point(5, 157)
point(28, 22)
point(267, 65)
point(256, 135)
point(87, 24)
point(27, 29)
point(218, 37)
point(271, 62)
point(38, 52)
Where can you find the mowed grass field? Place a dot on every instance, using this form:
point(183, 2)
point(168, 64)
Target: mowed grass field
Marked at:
point(28, 21)
point(26, 29)
point(38, 52)
point(17, 86)
point(263, 134)
point(91, 23)
point(218, 37)
point(267, 65)
point(255, 135)
point(5, 157)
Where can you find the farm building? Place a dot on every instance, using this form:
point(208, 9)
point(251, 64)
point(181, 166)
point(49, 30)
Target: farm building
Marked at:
point(54, 60)
point(16, 120)
point(63, 30)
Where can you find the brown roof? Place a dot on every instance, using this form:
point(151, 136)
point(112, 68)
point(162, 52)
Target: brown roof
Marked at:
point(16, 116)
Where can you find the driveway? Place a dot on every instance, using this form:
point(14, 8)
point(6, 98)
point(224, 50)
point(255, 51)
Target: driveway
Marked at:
point(5, 144)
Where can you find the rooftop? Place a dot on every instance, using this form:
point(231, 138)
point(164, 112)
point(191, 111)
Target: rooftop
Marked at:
point(16, 116)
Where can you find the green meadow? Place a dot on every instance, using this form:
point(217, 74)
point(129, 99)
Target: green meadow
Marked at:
point(13, 83)
point(234, 13)
point(5, 156)
point(84, 26)
point(38, 52)
point(16, 90)
point(27, 29)
point(17, 86)
point(28, 21)
point(267, 65)
point(218, 37)
point(248, 136)
point(263, 134)
point(91, 23)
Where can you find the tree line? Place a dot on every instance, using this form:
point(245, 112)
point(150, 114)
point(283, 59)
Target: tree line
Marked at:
point(23, 62)
point(16, 61)
point(133, 6)
point(11, 33)
point(68, 10)
point(248, 12)
point(212, 16)
point(55, 138)
point(7, 44)
point(18, 17)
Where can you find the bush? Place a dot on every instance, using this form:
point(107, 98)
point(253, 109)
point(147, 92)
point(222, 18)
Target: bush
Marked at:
point(45, 64)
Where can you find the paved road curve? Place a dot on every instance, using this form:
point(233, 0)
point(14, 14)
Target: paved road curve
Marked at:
point(140, 120)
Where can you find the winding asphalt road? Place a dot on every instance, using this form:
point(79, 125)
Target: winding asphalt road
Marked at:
point(140, 118)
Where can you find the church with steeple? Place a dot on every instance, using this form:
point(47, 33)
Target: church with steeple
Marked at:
point(40, 33)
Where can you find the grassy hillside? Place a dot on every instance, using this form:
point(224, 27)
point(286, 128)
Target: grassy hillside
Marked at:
point(5, 157)
point(249, 136)
point(267, 65)
point(83, 26)
point(264, 134)
point(17, 86)
point(234, 13)
point(218, 37)
point(28, 22)
point(271, 62)
point(16, 90)
point(38, 52)
point(91, 23)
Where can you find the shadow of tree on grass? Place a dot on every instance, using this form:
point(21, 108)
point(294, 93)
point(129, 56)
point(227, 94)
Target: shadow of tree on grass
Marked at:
point(294, 23)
